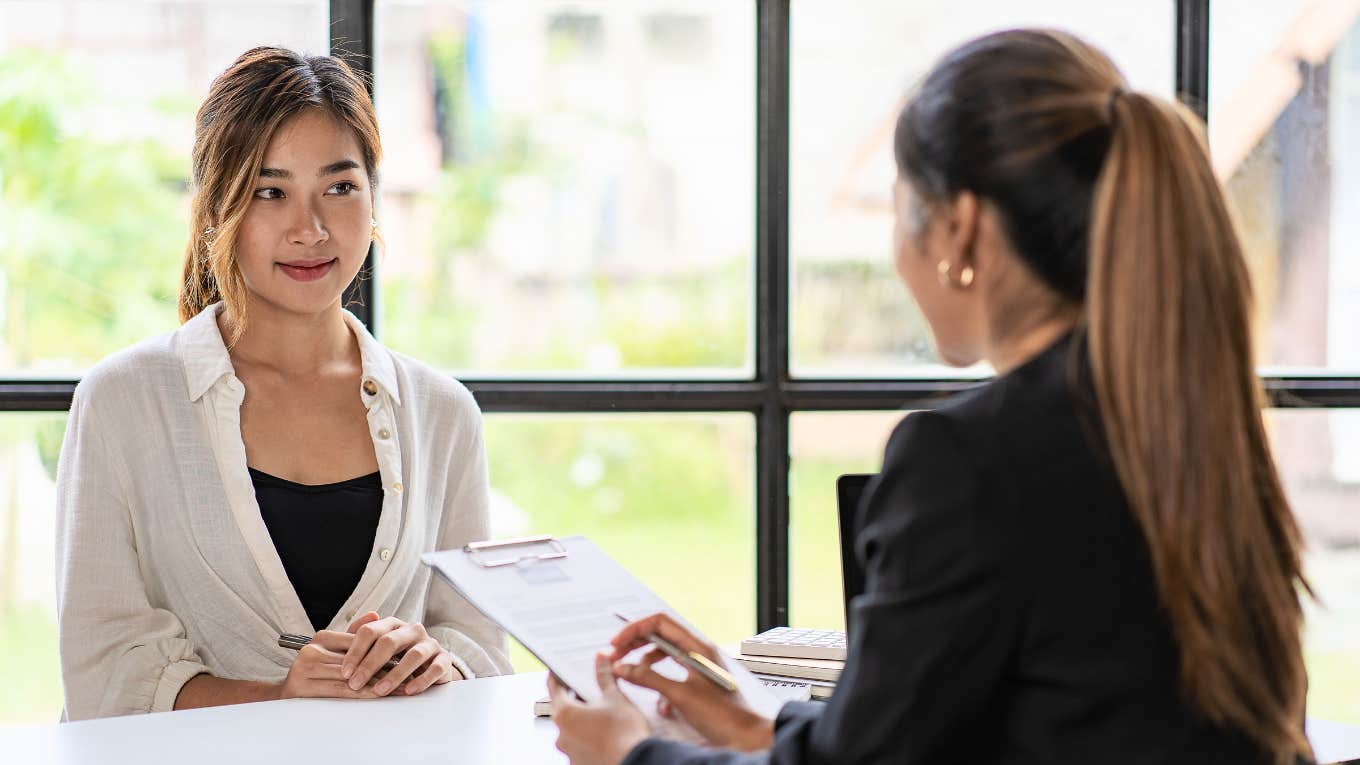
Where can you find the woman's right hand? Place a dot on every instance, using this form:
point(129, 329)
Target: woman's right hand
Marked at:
point(316, 670)
point(723, 718)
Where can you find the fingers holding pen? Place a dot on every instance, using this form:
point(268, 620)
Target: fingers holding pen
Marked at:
point(414, 660)
point(637, 633)
point(337, 642)
point(316, 672)
point(375, 658)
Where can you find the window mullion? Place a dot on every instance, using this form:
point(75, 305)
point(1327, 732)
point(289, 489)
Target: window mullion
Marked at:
point(352, 40)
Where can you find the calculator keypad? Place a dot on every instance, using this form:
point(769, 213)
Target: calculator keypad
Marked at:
point(797, 643)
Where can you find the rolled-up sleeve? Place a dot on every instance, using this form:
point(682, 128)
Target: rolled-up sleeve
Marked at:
point(478, 647)
point(119, 654)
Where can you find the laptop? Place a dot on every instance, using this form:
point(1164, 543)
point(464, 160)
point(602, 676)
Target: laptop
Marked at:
point(816, 644)
point(849, 491)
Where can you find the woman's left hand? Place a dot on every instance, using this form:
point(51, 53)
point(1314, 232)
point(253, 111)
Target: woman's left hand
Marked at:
point(376, 640)
point(723, 719)
point(601, 732)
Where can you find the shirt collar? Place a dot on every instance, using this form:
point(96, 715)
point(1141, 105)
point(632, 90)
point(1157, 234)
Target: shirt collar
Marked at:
point(203, 354)
point(376, 360)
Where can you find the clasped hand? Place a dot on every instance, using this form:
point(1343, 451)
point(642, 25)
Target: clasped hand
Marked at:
point(341, 664)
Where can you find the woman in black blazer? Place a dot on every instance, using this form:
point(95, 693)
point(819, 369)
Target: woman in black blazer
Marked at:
point(1090, 559)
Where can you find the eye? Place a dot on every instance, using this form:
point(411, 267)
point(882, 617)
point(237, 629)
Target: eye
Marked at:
point(269, 193)
point(343, 188)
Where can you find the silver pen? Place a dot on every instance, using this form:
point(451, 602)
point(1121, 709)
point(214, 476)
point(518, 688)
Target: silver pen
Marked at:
point(296, 642)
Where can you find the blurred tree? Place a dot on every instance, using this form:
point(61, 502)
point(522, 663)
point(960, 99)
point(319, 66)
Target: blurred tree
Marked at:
point(435, 310)
point(90, 230)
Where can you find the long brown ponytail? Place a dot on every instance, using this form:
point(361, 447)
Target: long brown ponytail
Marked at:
point(1169, 308)
point(1109, 197)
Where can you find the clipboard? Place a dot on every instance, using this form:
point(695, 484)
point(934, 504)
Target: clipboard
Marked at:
point(558, 598)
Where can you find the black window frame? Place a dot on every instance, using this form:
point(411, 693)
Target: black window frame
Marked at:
point(772, 394)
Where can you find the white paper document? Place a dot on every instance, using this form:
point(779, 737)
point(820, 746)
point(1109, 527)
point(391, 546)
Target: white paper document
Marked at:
point(564, 610)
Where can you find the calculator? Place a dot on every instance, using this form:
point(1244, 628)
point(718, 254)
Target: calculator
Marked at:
point(791, 643)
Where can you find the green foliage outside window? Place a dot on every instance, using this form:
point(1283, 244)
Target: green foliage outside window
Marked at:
point(90, 227)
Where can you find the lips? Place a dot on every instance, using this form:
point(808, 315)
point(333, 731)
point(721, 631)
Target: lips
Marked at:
point(307, 270)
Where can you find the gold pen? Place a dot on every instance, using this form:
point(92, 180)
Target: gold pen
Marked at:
point(691, 659)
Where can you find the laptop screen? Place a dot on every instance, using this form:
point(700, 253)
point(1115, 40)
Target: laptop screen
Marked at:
point(849, 491)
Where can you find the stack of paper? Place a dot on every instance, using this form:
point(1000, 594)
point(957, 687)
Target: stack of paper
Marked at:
point(820, 674)
point(826, 670)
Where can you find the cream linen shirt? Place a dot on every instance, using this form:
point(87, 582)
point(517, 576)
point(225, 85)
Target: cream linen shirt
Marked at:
point(165, 568)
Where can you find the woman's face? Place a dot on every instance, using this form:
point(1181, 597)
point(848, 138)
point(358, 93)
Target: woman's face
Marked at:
point(309, 224)
point(920, 244)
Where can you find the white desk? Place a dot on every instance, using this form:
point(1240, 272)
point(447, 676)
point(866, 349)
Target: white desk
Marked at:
point(478, 721)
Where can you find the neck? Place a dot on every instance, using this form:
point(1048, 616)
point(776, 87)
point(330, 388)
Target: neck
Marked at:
point(1007, 353)
point(290, 343)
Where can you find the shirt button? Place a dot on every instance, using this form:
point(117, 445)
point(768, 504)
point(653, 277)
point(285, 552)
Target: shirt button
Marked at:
point(385, 553)
point(383, 434)
point(370, 387)
point(397, 487)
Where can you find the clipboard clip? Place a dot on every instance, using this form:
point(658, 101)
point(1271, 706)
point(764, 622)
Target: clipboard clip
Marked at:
point(474, 551)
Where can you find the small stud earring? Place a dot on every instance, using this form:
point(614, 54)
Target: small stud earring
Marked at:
point(965, 276)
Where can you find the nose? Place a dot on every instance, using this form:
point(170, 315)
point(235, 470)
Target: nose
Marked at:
point(307, 228)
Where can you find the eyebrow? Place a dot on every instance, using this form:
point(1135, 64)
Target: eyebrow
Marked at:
point(331, 169)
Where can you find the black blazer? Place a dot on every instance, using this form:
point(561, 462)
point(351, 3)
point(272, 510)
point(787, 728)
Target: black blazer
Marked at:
point(1010, 613)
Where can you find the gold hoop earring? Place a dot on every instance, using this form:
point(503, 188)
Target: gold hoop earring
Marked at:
point(965, 276)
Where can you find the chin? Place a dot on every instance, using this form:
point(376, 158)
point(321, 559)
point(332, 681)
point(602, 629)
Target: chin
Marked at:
point(955, 357)
point(304, 305)
point(310, 297)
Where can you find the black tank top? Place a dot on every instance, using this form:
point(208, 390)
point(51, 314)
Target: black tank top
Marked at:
point(323, 534)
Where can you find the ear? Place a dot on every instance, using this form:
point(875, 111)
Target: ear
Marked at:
point(963, 218)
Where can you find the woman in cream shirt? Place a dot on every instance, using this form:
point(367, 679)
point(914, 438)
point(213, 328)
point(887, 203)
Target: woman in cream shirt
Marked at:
point(269, 467)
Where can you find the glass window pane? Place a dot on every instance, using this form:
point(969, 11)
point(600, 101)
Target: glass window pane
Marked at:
point(671, 497)
point(823, 446)
point(29, 445)
point(97, 101)
point(568, 187)
point(1318, 453)
point(851, 65)
point(1284, 127)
